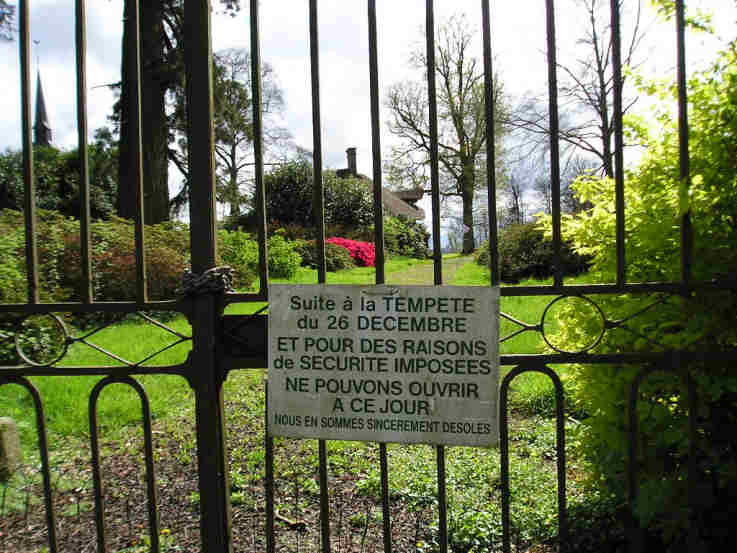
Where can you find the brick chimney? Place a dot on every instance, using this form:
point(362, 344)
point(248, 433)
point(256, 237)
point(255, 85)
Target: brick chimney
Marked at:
point(351, 155)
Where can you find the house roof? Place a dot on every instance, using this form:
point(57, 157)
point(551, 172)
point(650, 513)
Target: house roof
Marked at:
point(399, 202)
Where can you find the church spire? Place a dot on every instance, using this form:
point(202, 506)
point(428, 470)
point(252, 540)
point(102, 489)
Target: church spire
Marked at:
point(42, 129)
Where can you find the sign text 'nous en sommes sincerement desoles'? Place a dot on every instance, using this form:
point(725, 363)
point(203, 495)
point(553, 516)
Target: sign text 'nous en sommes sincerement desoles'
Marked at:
point(407, 364)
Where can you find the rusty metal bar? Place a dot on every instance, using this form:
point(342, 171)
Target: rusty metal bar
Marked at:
point(379, 242)
point(554, 140)
point(153, 517)
point(376, 144)
point(318, 205)
point(490, 145)
point(268, 475)
point(618, 142)
point(436, 240)
point(693, 461)
point(683, 154)
point(205, 369)
point(258, 144)
point(134, 89)
point(29, 179)
point(560, 454)
point(319, 211)
point(433, 122)
point(84, 177)
point(43, 453)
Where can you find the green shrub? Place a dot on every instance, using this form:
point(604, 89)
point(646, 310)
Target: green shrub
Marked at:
point(525, 252)
point(284, 260)
point(336, 257)
point(671, 498)
point(240, 251)
point(405, 237)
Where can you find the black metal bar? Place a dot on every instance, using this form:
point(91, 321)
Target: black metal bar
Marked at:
point(268, 475)
point(379, 242)
point(43, 453)
point(436, 239)
point(433, 122)
point(490, 145)
point(134, 45)
point(504, 463)
point(560, 453)
point(29, 179)
point(153, 517)
point(84, 177)
point(618, 142)
point(258, 144)
point(319, 211)
point(683, 154)
point(376, 144)
point(693, 461)
point(442, 500)
point(318, 206)
point(205, 371)
point(554, 140)
point(385, 499)
point(324, 496)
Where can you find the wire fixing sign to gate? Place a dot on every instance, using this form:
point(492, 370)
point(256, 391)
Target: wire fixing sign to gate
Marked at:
point(408, 364)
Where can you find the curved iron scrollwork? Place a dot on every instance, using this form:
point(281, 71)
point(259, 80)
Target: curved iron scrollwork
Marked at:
point(552, 317)
point(44, 340)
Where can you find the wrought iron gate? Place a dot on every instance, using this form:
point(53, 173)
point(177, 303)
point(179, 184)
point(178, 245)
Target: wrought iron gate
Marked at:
point(223, 343)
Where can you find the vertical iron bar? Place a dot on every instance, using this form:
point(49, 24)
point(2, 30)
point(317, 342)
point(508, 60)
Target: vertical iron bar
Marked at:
point(153, 516)
point(376, 144)
point(490, 144)
point(43, 452)
point(618, 143)
point(96, 476)
point(693, 466)
point(635, 534)
point(269, 476)
point(560, 444)
point(133, 13)
point(504, 464)
point(205, 373)
point(258, 143)
point(436, 239)
point(554, 139)
point(433, 122)
point(84, 179)
point(442, 501)
point(684, 159)
point(378, 240)
point(318, 206)
point(320, 216)
point(29, 179)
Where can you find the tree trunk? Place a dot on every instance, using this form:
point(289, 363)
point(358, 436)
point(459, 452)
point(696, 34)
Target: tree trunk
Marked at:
point(154, 127)
point(467, 193)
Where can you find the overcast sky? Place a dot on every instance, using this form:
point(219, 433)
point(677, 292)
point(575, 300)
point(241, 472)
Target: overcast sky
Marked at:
point(518, 30)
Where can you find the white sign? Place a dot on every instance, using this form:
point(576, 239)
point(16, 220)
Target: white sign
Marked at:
point(409, 364)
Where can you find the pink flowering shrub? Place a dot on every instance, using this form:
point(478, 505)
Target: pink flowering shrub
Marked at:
point(363, 253)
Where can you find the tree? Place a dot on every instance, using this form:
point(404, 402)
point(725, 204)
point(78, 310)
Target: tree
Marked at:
point(586, 89)
point(233, 128)
point(162, 71)
point(289, 197)
point(461, 121)
point(57, 178)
